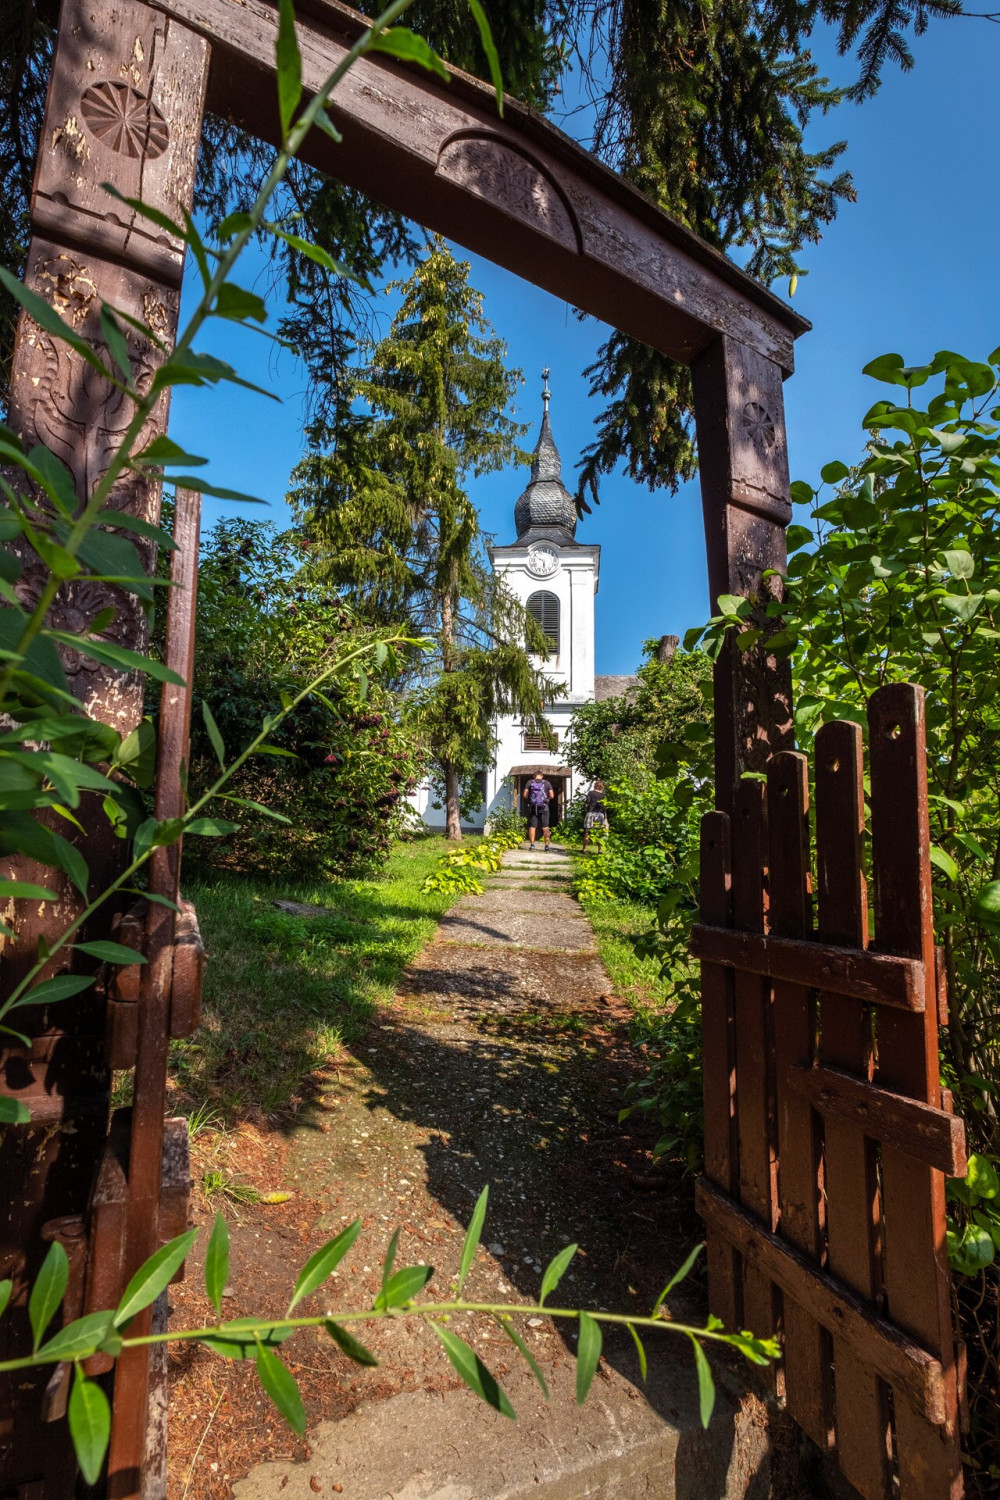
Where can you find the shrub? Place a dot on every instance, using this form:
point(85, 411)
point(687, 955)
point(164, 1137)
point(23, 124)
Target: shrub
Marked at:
point(346, 763)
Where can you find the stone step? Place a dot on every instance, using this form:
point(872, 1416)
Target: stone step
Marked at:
point(625, 1443)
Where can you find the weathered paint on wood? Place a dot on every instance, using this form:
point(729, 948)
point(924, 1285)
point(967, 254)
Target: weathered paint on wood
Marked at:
point(754, 1052)
point(800, 1199)
point(852, 1204)
point(898, 1359)
point(743, 459)
point(514, 189)
point(124, 106)
point(934, 1136)
point(850, 972)
point(863, 1142)
point(725, 1281)
point(916, 1285)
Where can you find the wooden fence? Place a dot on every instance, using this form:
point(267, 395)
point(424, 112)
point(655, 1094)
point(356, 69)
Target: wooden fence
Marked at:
point(826, 1136)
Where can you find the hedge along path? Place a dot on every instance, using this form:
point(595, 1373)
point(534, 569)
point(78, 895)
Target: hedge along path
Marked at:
point(502, 1060)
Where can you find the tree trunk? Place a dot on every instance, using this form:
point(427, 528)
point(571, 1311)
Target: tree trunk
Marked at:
point(453, 821)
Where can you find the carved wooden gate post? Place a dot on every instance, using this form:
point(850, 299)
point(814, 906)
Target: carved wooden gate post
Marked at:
point(826, 1144)
point(743, 457)
point(125, 106)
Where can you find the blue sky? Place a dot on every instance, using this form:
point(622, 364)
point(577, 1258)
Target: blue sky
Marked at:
point(910, 267)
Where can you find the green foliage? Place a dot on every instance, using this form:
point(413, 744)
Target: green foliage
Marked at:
point(390, 524)
point(459, 870)
point(974, 1233)
point(259, 1338)
point(671, 705)
point(646, 853)
point(286, 990)
point(335, 799)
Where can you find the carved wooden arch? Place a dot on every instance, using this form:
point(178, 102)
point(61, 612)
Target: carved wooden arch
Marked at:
point(489, 166)
point(131, 79)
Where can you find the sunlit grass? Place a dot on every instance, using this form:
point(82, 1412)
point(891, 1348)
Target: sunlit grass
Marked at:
point(637, 980)
point(283, 992)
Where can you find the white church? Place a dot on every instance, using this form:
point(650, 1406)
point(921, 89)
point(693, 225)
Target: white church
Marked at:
point(556, 578)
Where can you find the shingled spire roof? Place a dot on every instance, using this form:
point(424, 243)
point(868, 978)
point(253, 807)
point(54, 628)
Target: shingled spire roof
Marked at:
point(546, 508)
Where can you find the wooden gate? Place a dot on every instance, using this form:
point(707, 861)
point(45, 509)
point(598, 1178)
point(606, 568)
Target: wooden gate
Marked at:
point(827, 1141)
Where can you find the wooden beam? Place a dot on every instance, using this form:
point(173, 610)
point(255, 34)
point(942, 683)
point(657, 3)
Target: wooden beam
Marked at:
point(515, 190)
point(879, 978)
point(912, 1372)
point(932, 1136)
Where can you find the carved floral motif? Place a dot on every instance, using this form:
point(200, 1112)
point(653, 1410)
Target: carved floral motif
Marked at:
point(75, 607)
point(488, 167)
point(759, 424)
point(75, 410)
point(125, 121)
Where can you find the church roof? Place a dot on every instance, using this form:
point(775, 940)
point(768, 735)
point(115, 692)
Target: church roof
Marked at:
point(613, 687)
point(546, 508)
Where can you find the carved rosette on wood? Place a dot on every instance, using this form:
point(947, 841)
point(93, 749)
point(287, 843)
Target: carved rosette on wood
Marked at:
point(490, 168)
point(744, 476)
point(124, 106)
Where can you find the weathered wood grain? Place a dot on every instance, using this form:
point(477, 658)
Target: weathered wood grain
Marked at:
point(719, 1066)
point(739, 416)
point(800, 1200)
point(880, 978)
point(754, 1050)
point(916, 1268)
point(852, 1203)
point(932, 1136)
point(898, 1359)
point(515, 190)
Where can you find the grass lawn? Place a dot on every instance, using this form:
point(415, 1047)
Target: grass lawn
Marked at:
point(615, 922)
point(283, 992)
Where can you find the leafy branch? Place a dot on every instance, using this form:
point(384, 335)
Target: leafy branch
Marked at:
point(258, 1338)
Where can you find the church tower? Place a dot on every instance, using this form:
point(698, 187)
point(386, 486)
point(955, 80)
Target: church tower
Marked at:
point(556, 578)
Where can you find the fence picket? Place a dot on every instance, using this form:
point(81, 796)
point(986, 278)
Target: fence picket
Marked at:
point(916, 1285)
point(806, 1353)
point(752, 1005)
point(718, 1065)
point(862, 1407)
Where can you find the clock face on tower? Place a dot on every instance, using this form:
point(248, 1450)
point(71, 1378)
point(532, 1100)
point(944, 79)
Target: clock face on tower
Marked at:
point(543, 561)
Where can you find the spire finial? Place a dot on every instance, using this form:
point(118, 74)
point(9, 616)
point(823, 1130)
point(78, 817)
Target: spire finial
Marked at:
point(546, 393)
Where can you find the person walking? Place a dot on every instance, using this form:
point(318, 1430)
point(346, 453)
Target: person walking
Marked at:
point(538, 794)
point(595, 820)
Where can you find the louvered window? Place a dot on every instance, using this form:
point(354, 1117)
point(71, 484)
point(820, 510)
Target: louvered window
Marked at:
point(544, 607)
point(536, 742)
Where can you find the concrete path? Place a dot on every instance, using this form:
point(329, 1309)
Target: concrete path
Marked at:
point(504, 1060)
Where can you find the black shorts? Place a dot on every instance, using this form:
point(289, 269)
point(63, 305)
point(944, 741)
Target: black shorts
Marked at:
point(538, 817)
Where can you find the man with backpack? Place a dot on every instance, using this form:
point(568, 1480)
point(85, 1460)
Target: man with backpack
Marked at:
point(538, 794)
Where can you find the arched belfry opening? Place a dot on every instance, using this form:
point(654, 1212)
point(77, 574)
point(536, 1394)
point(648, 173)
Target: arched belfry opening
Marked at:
point(543, 607)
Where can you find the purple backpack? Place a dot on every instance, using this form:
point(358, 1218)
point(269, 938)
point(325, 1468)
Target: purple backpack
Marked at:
point(538, 794)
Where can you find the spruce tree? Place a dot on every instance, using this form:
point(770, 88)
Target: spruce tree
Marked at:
point(383, 503)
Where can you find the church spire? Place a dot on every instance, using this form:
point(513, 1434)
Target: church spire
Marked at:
point(545, 461)
point(546, 507)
